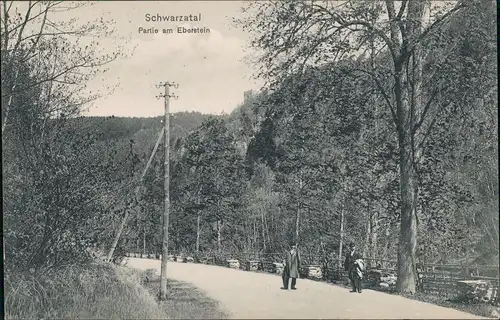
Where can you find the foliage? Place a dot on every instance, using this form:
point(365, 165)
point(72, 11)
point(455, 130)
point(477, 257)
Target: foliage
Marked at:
point(59, 174)
point(211, 176)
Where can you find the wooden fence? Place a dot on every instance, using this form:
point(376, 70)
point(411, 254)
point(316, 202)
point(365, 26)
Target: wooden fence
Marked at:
point(439, 279)
point(443, 279)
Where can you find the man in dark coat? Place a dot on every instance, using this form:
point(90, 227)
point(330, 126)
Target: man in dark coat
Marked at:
point(292, 267)
point(351, 256)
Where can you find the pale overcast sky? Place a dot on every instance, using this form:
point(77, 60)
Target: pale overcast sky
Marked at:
point(209, 68)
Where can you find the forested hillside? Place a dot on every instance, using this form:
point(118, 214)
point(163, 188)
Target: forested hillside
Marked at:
point(143, 132)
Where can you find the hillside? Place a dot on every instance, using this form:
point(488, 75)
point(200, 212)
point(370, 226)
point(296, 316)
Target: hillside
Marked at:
point(142, 132)
point(181, 123)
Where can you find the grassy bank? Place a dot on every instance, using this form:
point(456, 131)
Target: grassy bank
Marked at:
point(97, 291)
point(184, 300)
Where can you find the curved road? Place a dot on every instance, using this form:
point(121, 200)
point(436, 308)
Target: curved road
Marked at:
point(245, 295)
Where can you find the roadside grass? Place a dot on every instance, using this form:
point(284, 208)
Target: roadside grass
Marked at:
point(95, 291)
point(184, 301)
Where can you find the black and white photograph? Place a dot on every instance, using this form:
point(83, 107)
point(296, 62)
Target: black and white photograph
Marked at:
point(259, 159)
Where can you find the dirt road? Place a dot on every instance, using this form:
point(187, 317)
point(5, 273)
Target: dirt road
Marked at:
point(245, 295)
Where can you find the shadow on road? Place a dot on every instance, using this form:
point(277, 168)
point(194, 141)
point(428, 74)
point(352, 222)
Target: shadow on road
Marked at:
point(185, 301)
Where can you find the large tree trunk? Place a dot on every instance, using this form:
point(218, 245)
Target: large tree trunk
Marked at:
point(408, 87)
point(408, 230)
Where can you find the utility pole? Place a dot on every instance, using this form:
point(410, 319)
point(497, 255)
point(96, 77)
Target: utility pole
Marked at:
point(164, 251)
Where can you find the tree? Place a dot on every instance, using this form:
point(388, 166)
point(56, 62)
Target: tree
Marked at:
point(32, 37)
point(58, 170)
point(324, 125)
point(211, 178)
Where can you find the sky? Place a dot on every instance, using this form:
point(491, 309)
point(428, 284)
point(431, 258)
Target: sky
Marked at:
point(209, 68)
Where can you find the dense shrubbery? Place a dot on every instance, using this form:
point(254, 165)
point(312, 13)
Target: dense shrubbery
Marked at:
point(91, 291)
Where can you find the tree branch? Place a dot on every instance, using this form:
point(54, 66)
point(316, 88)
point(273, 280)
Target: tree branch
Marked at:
point(401, 10)
point(391, 12)
point(37, 40)
point(384, 94)
point(437, 23)
point(426, 109)
point(23, 25)
point(345, 24)
point(421, 145)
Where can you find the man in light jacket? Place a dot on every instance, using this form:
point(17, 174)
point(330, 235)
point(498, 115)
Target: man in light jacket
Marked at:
point(292, 267)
